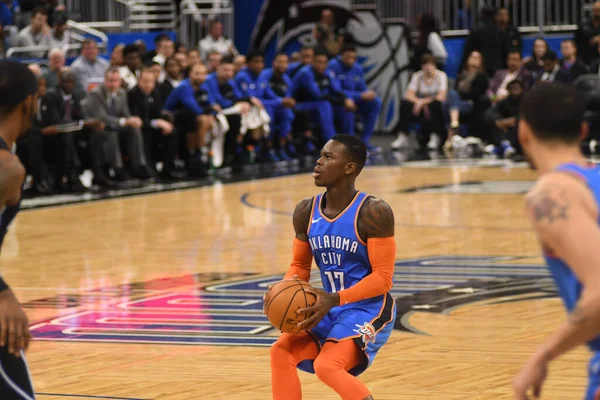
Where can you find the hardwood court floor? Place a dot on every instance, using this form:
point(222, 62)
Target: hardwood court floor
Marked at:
point(88, 263)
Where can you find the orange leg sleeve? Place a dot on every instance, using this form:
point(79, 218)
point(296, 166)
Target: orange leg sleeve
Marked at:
point(332, 366)
point(286, 354)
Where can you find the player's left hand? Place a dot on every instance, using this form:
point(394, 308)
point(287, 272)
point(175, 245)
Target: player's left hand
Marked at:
point(532, 376)
point(325, 302)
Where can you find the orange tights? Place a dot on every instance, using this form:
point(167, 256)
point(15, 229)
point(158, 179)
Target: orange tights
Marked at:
point(331, 366)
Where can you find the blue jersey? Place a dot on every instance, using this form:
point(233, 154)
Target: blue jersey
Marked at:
point(569, 287)
point(226, 94)
point(8, 214)
point(338, 250)
point(248, 84)
point(351, 79)
point(185, 97)
point(309, 85)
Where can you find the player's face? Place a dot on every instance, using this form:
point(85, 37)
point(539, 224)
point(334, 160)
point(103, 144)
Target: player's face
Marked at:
point(256, 65)
point(281, 64)
point(349, 58)
point(306, 56)
point(320, 64)
point(225, 72)
point(198, 74)
point(333, 165)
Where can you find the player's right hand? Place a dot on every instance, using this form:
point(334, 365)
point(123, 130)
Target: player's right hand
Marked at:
point(14, 324)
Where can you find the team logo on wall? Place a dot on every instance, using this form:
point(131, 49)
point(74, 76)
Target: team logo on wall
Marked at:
point(226, 309)
point(383, 49)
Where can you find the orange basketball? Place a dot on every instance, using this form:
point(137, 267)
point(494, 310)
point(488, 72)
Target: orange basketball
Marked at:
point(283, 300)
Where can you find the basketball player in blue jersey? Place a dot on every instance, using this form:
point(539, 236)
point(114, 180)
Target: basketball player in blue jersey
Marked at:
point(564, 208)
point(18, 105)
point(351, 237)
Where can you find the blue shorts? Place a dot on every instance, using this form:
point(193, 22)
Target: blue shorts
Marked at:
point(368, 326)
point(593, 389)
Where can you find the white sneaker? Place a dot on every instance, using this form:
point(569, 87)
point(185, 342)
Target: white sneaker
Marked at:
point(509, 152)
point(401, 142)
point(434, 142)
point(593, 146)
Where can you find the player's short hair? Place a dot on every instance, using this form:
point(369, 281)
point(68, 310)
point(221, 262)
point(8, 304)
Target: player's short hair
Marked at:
point(321, 51)
point(554, 111)
point(227, 60)
point(348, 48)
point(356, 149)
point(254, 54)
point(130, 49)
point(17, 82)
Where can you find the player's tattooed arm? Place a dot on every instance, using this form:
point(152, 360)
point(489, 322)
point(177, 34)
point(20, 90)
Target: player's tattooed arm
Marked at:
point(376, 219)
point(549, 204)
point(302, 218)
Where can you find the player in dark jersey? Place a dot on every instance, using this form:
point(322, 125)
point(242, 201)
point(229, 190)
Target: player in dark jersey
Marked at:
point(564, 208)
point(351, 237)
point(18, 106)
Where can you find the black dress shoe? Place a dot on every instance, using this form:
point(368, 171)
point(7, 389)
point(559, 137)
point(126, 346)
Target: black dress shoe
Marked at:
point(102, 180)
point(43, 187)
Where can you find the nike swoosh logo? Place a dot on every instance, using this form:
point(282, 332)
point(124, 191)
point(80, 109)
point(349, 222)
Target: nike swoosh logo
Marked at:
point(314, 221)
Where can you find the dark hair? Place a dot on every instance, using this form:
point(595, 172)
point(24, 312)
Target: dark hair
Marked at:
point(427, 58)
point(17, 83)
point(253, 55)
point(515, 51)
point(193, 51)
point(227, 60)
point(321, 51)
point(161, 37)
point(554, 111)
point(39, 10)
point(348, 47)
point(515, 82)
point(570, 41)
point(356, 149)
point(487, 13)
point(427, 24)
point(130, 49)
point(533, 46)
point(550, 55)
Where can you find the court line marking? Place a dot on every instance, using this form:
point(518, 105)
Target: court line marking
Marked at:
point(84, 396)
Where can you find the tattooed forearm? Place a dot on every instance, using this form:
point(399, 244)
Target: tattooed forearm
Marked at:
point(579, 315)
point(549, 205)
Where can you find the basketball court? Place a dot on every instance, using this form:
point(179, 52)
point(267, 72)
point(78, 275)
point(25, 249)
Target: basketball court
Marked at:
point(158, 296)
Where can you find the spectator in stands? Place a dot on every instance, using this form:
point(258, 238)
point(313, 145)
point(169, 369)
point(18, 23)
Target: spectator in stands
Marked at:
point(108, 103)
point(350, 74)
point(213, 60)
point(278, 101)
point(30, 149)
point(239, 63)
point(184, 65)
point(180, 48)
point(307, 54)
point(234, 105)
point(37, 34)
point(56, 62)
point(570, 62)
point(60, 37)
point(503, 120)
point(145, 102)
point(488, 40)
point(553, 72)
point(587, 36)
point(466, 99)
point(534, 64)
point(149, 55)
point(423, 102)
point(194, 57)
point(295, 57)
point(315, 90)
point(8, 9)
point(215, 41)
point(88, 67)
point(173, 78)
point(193, 107)
point(62, 121)
point(165, 49)
point(116, 57)
point(497, 89)
point(512, 36)
point(327, 34)
point(132, 69)
point(37, 71)
point(429, 41)
point(158, 72)
point(141, 45)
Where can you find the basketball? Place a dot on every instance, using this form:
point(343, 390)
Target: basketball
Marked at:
point(283, 300)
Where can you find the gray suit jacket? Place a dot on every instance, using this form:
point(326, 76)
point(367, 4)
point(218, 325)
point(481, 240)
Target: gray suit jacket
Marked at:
point(95, 106)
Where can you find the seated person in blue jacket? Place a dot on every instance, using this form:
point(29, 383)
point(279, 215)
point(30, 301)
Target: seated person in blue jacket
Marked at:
point(233, 103)
point(351, 77)
point(316, 89)
point(307, 54)
point(278, 101)
point(195, 110)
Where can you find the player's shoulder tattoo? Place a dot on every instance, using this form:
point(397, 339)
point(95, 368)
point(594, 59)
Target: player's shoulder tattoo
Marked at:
point(376, 219)
point(549, 203)
point(301, 217)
